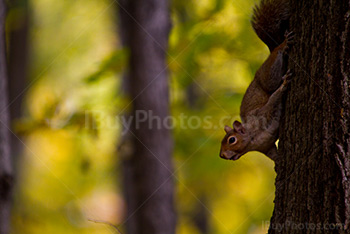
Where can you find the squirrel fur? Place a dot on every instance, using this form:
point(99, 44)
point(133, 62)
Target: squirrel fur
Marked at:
point(261, 106)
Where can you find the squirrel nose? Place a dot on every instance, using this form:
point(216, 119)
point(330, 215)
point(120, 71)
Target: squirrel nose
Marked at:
point(224, 155)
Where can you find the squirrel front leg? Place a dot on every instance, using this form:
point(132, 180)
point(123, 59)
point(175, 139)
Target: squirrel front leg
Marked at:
point(278, 73)
point(270, 113)
point(274, 103)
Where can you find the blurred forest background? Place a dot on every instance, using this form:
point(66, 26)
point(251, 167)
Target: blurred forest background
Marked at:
point(67, 162)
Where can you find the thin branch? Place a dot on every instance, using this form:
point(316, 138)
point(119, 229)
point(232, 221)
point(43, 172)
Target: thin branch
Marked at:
point(103, 222)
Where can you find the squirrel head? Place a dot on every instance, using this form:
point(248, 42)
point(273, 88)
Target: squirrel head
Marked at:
point(234, 144)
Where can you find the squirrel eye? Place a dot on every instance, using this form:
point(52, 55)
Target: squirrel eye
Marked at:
point(232, 140)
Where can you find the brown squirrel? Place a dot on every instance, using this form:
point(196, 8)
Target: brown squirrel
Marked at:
point(261, 106)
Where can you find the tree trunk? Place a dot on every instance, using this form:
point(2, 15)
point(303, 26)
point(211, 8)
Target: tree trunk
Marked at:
point(313, 170)
point(149, 169)
point(5, 158)
point(18, 67)
point(125, 147)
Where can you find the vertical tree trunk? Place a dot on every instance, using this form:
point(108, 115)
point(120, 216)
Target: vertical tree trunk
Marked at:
point(151, 209)
point(312, 183)
point(18, 57)
point(124, 150)
point(18, 66)
point(5, 159)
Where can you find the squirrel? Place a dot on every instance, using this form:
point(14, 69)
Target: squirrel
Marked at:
point(261, 106)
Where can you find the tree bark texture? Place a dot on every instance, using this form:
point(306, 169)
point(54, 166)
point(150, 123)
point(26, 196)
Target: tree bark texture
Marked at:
point(5, 158)
point(149, 168)
point(313, 169)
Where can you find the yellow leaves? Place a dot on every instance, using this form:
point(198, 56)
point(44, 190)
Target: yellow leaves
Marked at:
point(41, 100)
point(186, 228)
point(74, 44)
point(50, 149)
point(247, 196)
point(227, 21)
point(227, 72)
point(231, 219)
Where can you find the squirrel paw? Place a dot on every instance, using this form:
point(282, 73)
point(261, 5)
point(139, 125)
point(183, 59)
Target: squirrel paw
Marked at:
point(290, 36)
point(287, 78)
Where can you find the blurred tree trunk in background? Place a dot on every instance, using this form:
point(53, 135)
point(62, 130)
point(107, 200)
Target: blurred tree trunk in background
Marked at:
point(148, 170)
point(201, 216)
point(18, 65)
point(5, 157)
point(125, 149)
point(313, 173)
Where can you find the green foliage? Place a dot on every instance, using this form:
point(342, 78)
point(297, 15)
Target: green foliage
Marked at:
point(67, 172)
point(114, 63)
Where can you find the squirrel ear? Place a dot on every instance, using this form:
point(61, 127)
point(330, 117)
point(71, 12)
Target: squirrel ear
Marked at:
point(238, 127)
point(227, 129)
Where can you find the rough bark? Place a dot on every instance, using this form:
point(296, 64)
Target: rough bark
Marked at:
point(149, 167)
point(5, 158)
point(313, 170)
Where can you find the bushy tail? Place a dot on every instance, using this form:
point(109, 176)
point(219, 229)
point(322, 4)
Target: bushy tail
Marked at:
point(270, 21)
